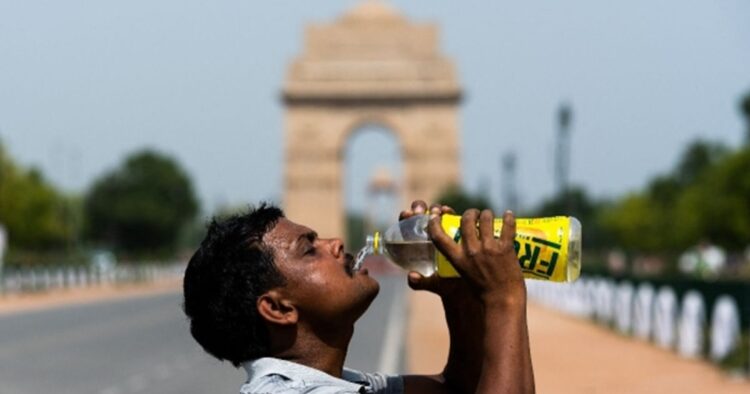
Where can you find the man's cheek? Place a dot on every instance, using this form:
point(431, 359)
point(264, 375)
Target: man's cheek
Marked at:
point(316, 280)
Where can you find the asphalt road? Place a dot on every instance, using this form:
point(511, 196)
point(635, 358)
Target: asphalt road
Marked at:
point(142, 345)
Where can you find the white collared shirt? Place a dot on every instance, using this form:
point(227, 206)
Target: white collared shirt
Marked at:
point(270, 375)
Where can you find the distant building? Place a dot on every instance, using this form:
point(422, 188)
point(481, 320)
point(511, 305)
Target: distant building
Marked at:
point(370, 66)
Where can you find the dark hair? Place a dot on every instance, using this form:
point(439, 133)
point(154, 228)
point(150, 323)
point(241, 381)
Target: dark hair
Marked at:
point(223, 280)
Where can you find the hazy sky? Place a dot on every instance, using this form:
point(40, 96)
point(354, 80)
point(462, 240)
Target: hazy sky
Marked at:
point(82, 83)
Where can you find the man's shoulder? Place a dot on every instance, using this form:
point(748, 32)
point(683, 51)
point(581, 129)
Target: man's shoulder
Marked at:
point(276, 384)
point(271, 375)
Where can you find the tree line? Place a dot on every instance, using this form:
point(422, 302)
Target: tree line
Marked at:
point(705, 197)
point(140, 210)
point(147, 206)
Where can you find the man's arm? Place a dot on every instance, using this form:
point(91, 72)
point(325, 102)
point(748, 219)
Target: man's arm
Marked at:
point(464, 316)
point(491, 269)
point(507, 356)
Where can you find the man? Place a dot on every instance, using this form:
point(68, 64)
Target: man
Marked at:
point(270, 295)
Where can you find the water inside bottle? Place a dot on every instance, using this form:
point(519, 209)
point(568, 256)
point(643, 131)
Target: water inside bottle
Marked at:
point(416, 256)
point(413, 255)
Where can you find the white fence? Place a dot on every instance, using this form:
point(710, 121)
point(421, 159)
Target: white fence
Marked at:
point(42, 279)
point(650, 314)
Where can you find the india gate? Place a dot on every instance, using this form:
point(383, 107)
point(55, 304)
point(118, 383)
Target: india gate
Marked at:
point(371, 66)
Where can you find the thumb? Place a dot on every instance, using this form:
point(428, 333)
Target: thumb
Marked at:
point(418, 281)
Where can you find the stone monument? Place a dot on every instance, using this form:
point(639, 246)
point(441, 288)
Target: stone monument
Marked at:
point(370, 66)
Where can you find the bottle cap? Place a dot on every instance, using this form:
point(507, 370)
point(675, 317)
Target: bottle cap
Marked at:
point(372, 243)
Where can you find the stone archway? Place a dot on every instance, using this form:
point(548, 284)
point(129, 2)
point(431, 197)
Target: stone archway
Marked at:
point(371, 66)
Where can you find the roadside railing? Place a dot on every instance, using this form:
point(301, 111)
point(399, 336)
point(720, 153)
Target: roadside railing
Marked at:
point(44, 279)
point(693, 318)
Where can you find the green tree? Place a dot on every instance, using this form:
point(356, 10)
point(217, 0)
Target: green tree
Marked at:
point(652, 220)
point(745, 109)
point(356, 232)
point(576, 202)
point(637, 223)
point(664, 190)
point(717, 207)
point(141, 207)
point(32, 210)
point(572, 202)
point(698, 157)
point(461, 200)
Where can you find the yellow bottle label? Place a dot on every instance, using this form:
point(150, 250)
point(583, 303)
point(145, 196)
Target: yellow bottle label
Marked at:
point(541, 244)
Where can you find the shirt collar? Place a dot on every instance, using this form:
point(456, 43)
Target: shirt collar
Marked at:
point(275, 366)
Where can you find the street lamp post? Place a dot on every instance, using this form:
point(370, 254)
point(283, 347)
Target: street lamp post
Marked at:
point(3, 244)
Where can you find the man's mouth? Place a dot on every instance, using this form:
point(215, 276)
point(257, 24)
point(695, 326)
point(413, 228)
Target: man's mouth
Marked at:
point(349, 264)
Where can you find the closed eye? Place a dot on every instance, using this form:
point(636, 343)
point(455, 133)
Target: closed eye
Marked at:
point(308, 241)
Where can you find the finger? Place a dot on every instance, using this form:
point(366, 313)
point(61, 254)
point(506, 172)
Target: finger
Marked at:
point(447, 209)
point(418, 281)
point(435, 210)
point(405, 214)
point(469, 237)
point(508, 233)
point(419, 207)
point(485, 226)
point(442, 241)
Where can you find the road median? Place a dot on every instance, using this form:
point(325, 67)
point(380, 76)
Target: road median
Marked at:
point(30, 301)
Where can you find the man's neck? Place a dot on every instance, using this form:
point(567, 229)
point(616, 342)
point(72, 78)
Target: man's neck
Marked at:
point(325, 354)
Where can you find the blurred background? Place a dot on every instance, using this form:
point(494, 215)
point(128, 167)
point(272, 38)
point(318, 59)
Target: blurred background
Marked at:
point(124, 126)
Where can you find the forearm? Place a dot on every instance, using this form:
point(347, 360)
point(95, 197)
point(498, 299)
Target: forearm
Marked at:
point(506, 365)
point(465, 318)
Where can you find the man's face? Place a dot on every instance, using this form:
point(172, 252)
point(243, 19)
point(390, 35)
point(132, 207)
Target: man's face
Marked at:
point(319, 275)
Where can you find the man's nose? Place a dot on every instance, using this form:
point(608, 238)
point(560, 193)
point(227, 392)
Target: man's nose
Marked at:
point(337, 247)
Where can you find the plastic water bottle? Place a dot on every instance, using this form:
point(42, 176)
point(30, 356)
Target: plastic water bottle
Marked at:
point(548, 248)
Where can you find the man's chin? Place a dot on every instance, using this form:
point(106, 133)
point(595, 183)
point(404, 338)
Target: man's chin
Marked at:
point(370, 289)
point(368, 283)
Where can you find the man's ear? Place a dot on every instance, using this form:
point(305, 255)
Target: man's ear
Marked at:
point(277, 309)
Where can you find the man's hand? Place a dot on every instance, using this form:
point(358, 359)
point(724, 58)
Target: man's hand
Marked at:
point(490, 266)
point(444, 287)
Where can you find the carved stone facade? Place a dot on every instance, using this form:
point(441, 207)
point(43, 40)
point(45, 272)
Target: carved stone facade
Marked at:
point(371, 66)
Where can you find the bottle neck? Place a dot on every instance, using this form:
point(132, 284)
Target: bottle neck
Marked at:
point(374, 243)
